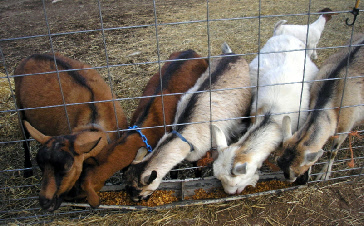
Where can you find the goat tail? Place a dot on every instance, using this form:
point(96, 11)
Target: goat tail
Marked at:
point(225, 48)
point(279, 23)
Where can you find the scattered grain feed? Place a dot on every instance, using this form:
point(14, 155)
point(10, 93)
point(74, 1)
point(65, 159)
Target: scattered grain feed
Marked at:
point(121, 198)
point(162, 197)
point(260, 187)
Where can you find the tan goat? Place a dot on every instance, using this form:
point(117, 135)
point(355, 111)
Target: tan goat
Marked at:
point(61, 156)
point(336, 107)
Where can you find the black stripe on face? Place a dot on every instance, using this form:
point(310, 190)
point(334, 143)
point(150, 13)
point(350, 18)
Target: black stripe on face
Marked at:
point(132, 177)
point(71, 142)
point(286, 160)
point(52, 153)
point(170, 71)
point(223, 65)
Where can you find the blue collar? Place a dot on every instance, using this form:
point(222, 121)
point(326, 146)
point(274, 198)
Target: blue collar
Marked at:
point(144, 138)
point(183, 139)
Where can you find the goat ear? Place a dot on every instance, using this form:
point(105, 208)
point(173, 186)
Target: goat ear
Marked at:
point(88, 142)
point(311, 157)
point(149, 179)
point(225, 48)
point(218, 137)
point(36, 134)
point(286, 127)
point(239, 169)
point(142, 152)
point(214, 154)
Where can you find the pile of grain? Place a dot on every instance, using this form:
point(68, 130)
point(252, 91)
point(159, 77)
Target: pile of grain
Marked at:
point(260, 187)
point(121, 198)
point(162, 197)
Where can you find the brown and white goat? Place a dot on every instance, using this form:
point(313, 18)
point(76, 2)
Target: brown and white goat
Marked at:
point(280, 92)
point(230, 97)
point(177, 77)
point(336, 107)
point(41, 98)
point(300, 31)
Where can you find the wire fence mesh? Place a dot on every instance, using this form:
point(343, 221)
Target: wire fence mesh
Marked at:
point(127, 42)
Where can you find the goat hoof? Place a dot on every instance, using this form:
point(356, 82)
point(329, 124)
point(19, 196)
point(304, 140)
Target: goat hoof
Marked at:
point(95, 206)
point(93, 200)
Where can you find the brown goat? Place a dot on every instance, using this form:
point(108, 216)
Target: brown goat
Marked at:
point(61, 156)
point(177, 77)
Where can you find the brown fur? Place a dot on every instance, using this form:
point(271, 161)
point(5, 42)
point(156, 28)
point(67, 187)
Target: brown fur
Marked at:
point(241, 158)
point(43, 90)
point(327, 16)
point(121, 153)
point(87, 122)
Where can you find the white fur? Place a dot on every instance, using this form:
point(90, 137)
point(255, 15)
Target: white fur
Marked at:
point(300, 32)
point(225, 105)
point(262, 138)
point(224, 165)
point(282, 61)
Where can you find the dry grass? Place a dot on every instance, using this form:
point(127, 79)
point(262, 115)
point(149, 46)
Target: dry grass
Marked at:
point(323, 204)
point(126, 66)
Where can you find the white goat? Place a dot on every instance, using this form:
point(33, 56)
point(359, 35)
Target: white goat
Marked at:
point(192, 141)
point(300, 31)
point(328, 114)
point(279, 93)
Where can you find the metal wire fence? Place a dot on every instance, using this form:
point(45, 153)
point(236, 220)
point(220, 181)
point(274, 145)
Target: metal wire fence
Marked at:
point(148, 35)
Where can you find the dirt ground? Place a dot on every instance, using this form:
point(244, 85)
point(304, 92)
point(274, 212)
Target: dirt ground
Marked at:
point(126, 51)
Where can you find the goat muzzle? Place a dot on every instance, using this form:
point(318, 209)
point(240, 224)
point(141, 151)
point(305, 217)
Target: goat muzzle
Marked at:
point(50, 204)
